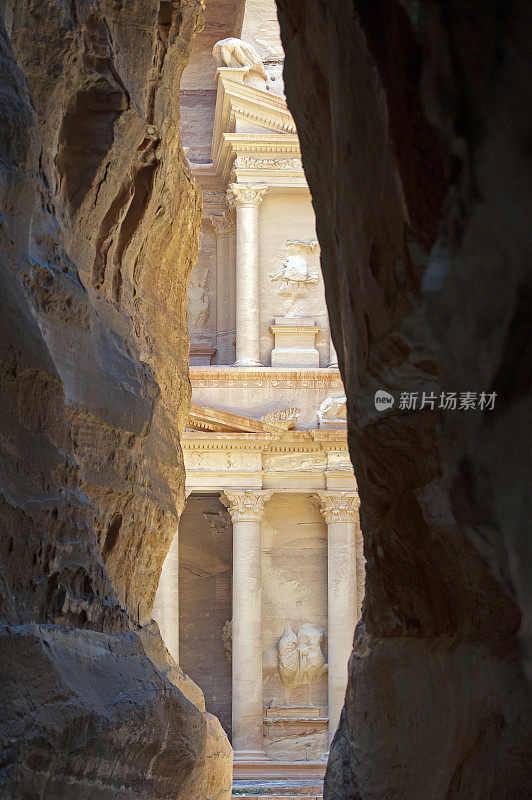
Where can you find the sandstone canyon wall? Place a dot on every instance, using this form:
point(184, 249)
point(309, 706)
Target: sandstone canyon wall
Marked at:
point(98, 231)
point(413, 120)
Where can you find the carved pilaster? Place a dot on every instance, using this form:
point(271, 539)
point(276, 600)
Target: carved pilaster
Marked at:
point(246, 194)
point(338, 506)
point(245, 505)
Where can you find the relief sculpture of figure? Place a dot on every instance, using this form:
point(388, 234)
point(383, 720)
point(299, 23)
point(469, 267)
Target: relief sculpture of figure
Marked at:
point(299, 656)
point(294, 277)
point(288, 657)
point(199, 302)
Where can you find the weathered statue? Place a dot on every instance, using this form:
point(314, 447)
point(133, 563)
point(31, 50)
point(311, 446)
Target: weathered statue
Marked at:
point(333, 409)
point(300, 658)
point(236, 53)
point(294, 277)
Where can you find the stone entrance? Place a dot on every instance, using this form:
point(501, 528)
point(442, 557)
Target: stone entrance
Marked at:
point(205, 577)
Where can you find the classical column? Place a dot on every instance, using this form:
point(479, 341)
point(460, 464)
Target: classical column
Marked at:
point(246, 509)
point(340, 510)
point(166, 605)
point(247, 199)
point(224, 227)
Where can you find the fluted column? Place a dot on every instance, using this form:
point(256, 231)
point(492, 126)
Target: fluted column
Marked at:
point(340, 510)
point(246, 509)
point(247, 199)
point(224, 226)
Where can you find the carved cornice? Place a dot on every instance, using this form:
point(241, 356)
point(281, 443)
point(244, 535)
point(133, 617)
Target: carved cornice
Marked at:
point(245, 505)
point(245, 194)
point(338, 506)
point(224, 225)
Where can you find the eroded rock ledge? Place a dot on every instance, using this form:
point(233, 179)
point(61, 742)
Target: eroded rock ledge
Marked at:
point(412, 124)
point(98, 231)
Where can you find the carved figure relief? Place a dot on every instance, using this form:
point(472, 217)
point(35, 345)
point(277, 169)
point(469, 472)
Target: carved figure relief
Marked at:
point(217, 523)
point(333, 409)
point(227, 638)
point(234, 52)
point(299, 656)
point(199, 301)
point(294, 275)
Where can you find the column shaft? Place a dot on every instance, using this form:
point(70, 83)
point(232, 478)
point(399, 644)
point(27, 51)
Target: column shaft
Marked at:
point(247, 200)
point(166, 605)
point(224, 227)
point(246, 508)
point(342, 609)
point(340, 510)
point(247, 638)
point(232, 297)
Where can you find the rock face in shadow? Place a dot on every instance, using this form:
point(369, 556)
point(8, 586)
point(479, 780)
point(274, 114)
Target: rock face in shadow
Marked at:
point(413, 126)
point(99, 221)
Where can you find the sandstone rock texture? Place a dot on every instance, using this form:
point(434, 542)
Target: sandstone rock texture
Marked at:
point(413, 122)
point(99, 220)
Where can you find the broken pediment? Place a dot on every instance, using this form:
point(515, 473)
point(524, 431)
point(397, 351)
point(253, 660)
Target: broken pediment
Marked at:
point(204, 419)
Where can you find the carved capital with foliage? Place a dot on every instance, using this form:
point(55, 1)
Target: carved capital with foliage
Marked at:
point(245, 505)
point(338, 506)
point(246, 194)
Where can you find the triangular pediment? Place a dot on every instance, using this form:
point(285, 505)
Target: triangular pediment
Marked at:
point(263, 111)
point(202, 418)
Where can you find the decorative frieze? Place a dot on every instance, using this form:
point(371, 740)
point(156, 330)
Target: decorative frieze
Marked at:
point(338, 506)
point(247, 162)
point(246, 506)
point(287, 417)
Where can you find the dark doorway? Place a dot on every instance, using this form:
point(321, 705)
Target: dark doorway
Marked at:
point(205, 585)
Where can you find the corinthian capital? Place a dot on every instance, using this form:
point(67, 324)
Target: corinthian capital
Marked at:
point(338, 506)
point(245, 505)
point(246, 194)
point(224, 224)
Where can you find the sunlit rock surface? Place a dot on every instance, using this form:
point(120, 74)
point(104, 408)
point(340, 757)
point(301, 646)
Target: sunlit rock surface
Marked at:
point(98, 231)
point(412, 120)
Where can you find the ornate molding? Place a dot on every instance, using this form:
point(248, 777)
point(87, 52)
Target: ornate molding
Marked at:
point(246, 194)
point(246, 505)
point(246, 162)
point(224, 225)
point(338, 506)
point(287, 417)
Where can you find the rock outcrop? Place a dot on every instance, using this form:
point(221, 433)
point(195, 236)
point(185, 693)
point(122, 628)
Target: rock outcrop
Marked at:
point(413, 121)
point(99, 221)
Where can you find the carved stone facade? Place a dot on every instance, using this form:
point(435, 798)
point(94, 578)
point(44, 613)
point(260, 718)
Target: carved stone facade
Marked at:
point(267, 436)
